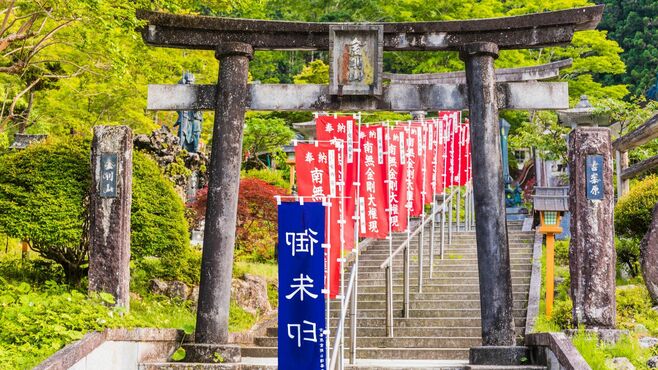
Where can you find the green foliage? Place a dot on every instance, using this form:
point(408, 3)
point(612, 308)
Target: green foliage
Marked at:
point(37, 321)
point(261, 136)
point(587, 345)
point(628, 255)
point(43, 197)
point(239, 319)
point(634, 211)
point(316, 72)
point(632, 25)
point(562, 252)
point(270, 176)
point(634, 307)
point(158, 223)
point(185, 267)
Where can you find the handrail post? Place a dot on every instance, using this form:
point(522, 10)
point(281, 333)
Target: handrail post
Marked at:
point(389, 301)
point(434, 215)
point(450, 222)
point(459, 206)
point(443, 228)
point(421, 238)
point(353, 318)
point(406, 281)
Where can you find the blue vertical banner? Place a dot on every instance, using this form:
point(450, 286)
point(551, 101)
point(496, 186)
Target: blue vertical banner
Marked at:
point(594, 173)
point(301, 281)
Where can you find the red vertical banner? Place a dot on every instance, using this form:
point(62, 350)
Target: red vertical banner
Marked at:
point(452, 121)
point(318, 175)
point(441, 156)
point(316, 170)
point(465, 152)
point(397, 179)
point(373, 187)
point(414, 166)
point(428, 152)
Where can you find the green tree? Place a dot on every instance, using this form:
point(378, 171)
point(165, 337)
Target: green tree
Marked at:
point(264, 135)
point(633, 25)
point(316, 72)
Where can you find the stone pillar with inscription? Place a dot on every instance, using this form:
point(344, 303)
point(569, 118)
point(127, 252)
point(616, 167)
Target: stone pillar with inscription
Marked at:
point(110, 201)
point(592, 255)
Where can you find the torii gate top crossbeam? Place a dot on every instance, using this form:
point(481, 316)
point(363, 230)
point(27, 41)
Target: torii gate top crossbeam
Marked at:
point(519, 32)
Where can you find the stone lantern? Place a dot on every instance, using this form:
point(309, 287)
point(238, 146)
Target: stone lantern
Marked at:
point(583, 114)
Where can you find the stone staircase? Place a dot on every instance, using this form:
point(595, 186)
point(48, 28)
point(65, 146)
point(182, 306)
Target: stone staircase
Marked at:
point(444, 320)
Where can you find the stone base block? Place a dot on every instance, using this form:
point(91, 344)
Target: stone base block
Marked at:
point(212, 353)
point(499, 355)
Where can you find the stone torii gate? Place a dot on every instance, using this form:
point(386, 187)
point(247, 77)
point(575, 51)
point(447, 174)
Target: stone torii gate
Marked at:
point(356, 85)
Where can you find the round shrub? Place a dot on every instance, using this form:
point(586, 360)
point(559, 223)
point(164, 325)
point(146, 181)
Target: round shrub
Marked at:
point(634, 210)
point(43, 197)
point(157, 216)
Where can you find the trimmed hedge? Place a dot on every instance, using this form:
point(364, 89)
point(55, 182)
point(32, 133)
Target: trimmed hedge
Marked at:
point(634, 210)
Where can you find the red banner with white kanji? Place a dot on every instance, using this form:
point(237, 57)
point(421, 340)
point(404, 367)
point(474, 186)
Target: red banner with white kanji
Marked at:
point(397, 173)
point(374, 197)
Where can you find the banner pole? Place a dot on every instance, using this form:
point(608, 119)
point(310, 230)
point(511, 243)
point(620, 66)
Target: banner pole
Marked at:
point(354, 308)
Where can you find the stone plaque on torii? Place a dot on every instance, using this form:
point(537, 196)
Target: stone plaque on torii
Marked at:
point(356, 85)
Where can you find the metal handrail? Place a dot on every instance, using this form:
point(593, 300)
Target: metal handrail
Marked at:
point(387, 264)
point(389, 260)
point(341, 323)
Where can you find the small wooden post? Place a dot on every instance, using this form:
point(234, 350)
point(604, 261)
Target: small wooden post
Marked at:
point(550, 274)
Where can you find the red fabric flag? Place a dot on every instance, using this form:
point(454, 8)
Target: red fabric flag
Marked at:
point(374, 197)
point(317, 178)
point(396, 179)
point(414, 163)
point(428, 151)
point(452, 120)
point(465, 153)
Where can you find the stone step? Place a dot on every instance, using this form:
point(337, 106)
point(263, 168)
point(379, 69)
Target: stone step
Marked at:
point(380, 353)
point(381, 274)
point(444, 267)
point(447, 254)
point(364, 297)
point(436, 281)
point(456, 288)
point(427, 304)
point(415, 322)
point(396, 342)
point(468, 331)
point(428, 313)
point(398, 260)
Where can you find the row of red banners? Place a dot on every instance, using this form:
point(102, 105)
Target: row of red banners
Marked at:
point(392, 171)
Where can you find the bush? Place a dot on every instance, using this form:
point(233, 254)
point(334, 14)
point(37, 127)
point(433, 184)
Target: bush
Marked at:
point(562, 252)
point(158, 223)
point(256, 229)
point(634, 211)
point(628, 255)
point(43, 199)
point(270, 176)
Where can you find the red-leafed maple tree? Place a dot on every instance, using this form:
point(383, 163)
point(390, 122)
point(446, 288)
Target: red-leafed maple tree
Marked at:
point(256, 231)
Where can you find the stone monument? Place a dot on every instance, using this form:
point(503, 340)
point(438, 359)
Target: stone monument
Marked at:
point(109, 202)
point(592, 257)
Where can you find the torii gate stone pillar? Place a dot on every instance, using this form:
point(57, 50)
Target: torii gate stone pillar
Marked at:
point(225, 163)
point(490, 224)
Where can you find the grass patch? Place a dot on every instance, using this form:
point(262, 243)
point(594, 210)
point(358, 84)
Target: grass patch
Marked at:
point(267, 270)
